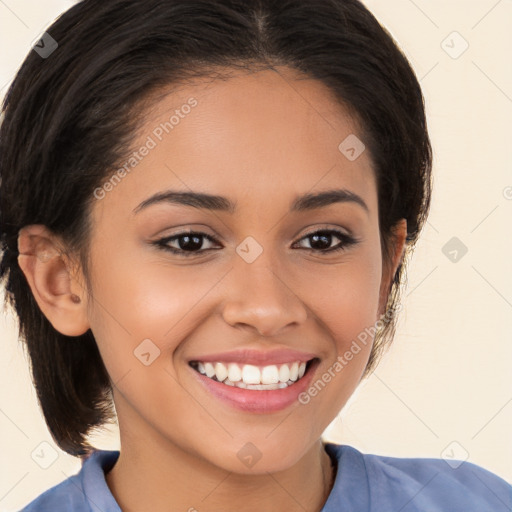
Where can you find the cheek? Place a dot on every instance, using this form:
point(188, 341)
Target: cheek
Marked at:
point(346, 308)
point(159, 302)
point(148, 297)
point(345, 299)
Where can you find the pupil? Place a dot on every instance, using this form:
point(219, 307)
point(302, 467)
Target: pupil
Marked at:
point(191, 242)
point(325, 238)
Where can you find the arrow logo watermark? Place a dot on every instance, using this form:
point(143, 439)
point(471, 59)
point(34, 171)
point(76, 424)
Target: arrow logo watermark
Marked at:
point(45, 45)
point(352, 147)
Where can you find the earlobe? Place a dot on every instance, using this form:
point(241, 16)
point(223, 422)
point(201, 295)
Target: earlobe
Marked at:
point(47, 270)
point(388, 270)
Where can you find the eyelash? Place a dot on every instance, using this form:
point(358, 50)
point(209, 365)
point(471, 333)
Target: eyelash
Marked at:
point(346, 241)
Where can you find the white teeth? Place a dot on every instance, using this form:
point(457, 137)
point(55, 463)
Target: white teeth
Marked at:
point(270, 375)
point(253, 377)
point(251, 374)
point(221, 371)
point(294, 371)
point(234, 372)
point(284, 373)
point(209, 370)
point(260, 387)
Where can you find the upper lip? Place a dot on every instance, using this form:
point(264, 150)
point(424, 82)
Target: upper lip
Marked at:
point(257, 357)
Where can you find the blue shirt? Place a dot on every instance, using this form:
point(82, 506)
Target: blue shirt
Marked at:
point(364, 483)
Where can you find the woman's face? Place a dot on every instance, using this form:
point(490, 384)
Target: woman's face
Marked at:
point(253, 292)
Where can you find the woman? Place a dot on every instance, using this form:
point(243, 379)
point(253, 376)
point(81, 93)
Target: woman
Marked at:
point(206, 211)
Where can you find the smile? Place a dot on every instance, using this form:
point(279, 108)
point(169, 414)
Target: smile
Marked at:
point(248, 376)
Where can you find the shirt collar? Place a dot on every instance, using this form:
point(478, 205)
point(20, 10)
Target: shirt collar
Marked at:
point(96, 491)
point(350, 492)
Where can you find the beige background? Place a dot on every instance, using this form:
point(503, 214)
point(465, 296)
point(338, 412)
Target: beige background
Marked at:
point(445, 387)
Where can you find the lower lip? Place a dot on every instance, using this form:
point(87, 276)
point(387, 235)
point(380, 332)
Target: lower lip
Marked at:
point(256, 401)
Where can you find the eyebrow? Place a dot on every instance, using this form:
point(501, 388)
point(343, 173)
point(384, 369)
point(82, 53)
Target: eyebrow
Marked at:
point(306, 202)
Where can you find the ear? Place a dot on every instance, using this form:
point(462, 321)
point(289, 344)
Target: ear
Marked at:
point(48, 271)
point(389, 268)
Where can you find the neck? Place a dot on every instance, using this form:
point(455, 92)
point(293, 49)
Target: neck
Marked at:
point(168, 479)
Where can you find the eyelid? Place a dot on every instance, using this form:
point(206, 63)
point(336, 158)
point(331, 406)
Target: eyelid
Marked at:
point(179, 234)
point(327, 227)
point(346, 240)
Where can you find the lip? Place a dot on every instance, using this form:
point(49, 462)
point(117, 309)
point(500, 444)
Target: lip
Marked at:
point(257, 357)
point(256, 401)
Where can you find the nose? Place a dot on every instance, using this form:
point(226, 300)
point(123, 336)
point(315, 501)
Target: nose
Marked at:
point(259, 297)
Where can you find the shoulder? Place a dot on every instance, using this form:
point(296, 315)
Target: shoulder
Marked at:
point(414, 484)
point(66, 495)
point(77, 491)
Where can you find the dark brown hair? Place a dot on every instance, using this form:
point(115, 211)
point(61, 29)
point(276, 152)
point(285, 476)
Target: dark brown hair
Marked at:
point(69, 120)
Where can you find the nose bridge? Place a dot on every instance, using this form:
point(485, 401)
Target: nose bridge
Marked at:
point(258, 294)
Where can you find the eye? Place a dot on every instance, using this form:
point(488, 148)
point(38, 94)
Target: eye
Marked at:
point(192, 242)
point(187, 243)
point(320, 241)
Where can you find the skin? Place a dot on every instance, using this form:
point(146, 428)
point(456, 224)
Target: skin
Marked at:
point(179, 444)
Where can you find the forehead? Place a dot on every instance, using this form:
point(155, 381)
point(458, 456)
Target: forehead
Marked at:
point(267, 136)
